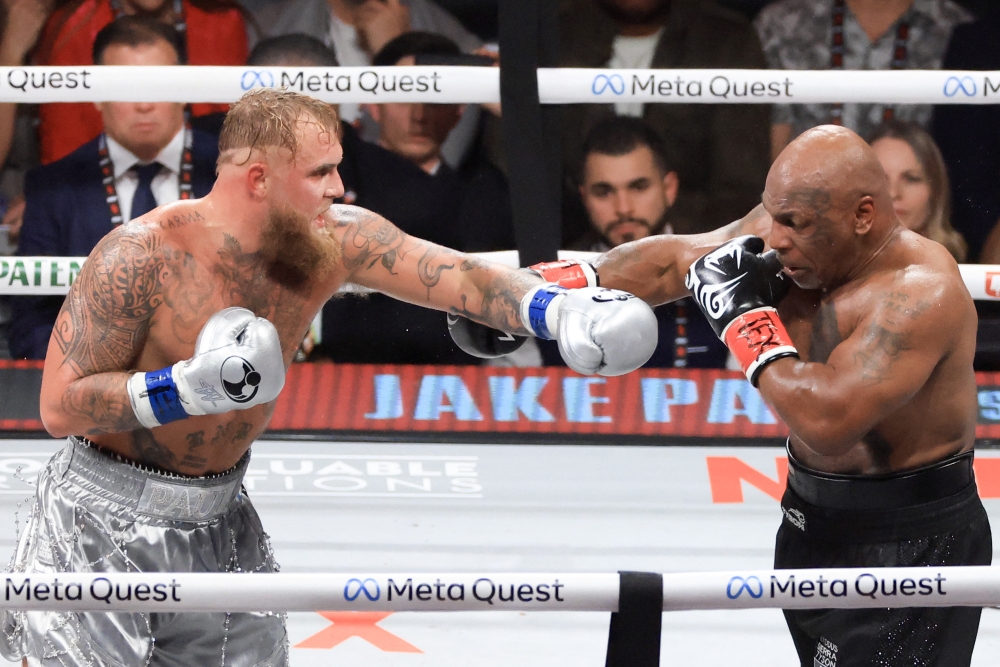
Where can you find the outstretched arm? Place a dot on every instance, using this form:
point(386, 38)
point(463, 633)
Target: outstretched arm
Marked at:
point(380, 256)
point(653, 268)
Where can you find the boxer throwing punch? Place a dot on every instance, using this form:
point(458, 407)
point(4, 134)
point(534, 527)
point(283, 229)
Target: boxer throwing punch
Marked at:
point(172, 345)
point(868, 359)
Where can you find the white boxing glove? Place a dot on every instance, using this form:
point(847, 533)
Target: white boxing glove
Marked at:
point(600, 330)
point(237, 364)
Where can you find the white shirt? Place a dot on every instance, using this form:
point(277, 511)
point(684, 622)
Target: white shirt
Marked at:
point(166, 185)
point(344, 40)
point(633, 53)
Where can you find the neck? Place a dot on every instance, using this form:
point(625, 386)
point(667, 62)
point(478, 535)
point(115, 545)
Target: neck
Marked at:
point(229, 208)
point(341, 11)
point(878, 245)
point(877, 16)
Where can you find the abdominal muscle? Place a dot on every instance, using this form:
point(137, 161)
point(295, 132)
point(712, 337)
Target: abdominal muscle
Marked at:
point(195, 446)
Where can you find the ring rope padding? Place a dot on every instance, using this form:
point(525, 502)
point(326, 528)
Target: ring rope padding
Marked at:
point(39, 276)
point(841, 588)
point(478, 85)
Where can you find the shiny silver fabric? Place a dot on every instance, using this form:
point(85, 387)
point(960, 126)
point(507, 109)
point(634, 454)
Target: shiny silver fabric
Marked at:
point(95, 513)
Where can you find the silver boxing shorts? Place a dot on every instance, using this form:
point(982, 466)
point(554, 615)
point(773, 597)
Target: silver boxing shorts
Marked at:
point(96, 513)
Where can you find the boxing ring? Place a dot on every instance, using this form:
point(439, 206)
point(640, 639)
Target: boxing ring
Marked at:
point(475, 558)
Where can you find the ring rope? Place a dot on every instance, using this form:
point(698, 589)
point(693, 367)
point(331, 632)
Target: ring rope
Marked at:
point(843, 588)
point(477, 85)
point(38, 276)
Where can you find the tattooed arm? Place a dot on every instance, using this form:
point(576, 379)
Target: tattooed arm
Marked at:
point(653, 268)
point(99, 331)
point(380, 256)
point(879, 368)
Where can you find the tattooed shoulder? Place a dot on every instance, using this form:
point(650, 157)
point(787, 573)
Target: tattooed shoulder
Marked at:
point(106, 314)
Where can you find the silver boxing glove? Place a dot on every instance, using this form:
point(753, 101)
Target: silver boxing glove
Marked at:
point(600, 331)
point(237, 364)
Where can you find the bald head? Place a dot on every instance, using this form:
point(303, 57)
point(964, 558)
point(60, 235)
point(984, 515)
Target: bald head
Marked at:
point(828, 196)
point(829, 158)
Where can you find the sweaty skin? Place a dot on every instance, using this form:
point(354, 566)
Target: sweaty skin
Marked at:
point(149, 286)
point(884, 325)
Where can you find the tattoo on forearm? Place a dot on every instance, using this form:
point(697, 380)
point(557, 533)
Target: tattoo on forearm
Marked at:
point(101, 399)
point(429, 271)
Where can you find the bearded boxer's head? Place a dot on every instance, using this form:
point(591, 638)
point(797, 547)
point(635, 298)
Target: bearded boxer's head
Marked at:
point(285, 149)
point(828, 197)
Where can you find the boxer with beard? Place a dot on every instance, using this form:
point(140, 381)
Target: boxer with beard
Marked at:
point(171, 348)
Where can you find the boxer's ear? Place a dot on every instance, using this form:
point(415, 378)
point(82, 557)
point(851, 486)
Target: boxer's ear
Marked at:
point(257, 179)
point(864, 215)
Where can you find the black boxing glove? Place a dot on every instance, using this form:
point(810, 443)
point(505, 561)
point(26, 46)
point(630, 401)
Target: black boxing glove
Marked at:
point(737, 288)
point(480, 340)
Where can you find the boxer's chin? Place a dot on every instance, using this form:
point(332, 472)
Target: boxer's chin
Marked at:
point(296, 248)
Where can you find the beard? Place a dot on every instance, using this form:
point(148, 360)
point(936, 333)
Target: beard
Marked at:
point(294, 252)
point(652, 229)
point(637, 16)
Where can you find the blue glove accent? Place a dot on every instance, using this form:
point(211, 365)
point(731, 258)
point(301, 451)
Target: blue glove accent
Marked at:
point(163, 397)
point(540, 301)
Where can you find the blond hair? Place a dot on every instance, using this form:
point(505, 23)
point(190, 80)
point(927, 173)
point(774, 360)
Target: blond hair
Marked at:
point(268, 118)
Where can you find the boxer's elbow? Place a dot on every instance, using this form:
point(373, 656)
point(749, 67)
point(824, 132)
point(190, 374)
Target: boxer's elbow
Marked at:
point(55, 419)
point(825, 422)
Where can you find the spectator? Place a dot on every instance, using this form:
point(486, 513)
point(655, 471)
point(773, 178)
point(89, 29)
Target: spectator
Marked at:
point(856, 35)
point(628, 187)
point(142, 160)
point(22, 23)
point(211, 32)
point(969, 137)
point(358, 29)
point(918, 183)
point(720, 151)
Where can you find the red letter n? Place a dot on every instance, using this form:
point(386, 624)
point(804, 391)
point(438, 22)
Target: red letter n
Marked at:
point(727, 473)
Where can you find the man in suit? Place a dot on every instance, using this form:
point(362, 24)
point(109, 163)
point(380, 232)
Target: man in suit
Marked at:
point(145, 158)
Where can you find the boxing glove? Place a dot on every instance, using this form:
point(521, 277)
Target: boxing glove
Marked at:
point(571, 273)
point(602, 331)
point(480, 340)
point(237, 364)
point(737, 288)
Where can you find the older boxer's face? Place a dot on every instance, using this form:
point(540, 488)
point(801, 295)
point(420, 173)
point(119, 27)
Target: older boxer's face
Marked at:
point(809, 233)
point(627, 196)
point(144, 128)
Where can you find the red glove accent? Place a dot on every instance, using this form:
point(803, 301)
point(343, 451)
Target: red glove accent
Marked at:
point(756, 338)
point(568, 273)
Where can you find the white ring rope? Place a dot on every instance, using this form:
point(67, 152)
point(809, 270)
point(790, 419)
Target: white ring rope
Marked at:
point(39, 276)
point(844, 588)
point(473, 85)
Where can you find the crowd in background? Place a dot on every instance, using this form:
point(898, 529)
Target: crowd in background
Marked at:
point(71, 172)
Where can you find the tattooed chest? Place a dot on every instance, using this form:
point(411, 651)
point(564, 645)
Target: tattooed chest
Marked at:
point(193, 288)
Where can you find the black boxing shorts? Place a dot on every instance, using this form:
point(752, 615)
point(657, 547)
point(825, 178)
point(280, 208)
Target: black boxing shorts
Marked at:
point(931, 516)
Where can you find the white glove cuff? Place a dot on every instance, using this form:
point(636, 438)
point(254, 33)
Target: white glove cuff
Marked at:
point(160, 397)
point(540, 310)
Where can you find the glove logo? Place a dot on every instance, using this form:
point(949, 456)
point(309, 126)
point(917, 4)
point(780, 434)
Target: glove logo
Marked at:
point(713, 258)
point(713, 297)
point(607, 295)
point(239, 379)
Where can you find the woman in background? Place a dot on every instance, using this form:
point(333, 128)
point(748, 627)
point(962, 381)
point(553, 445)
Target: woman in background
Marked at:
point(918, 183)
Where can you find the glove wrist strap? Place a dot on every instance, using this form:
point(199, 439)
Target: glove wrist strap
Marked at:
point(540, 310)
point(569, 273)
point(156, 397)
point(756, 338)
